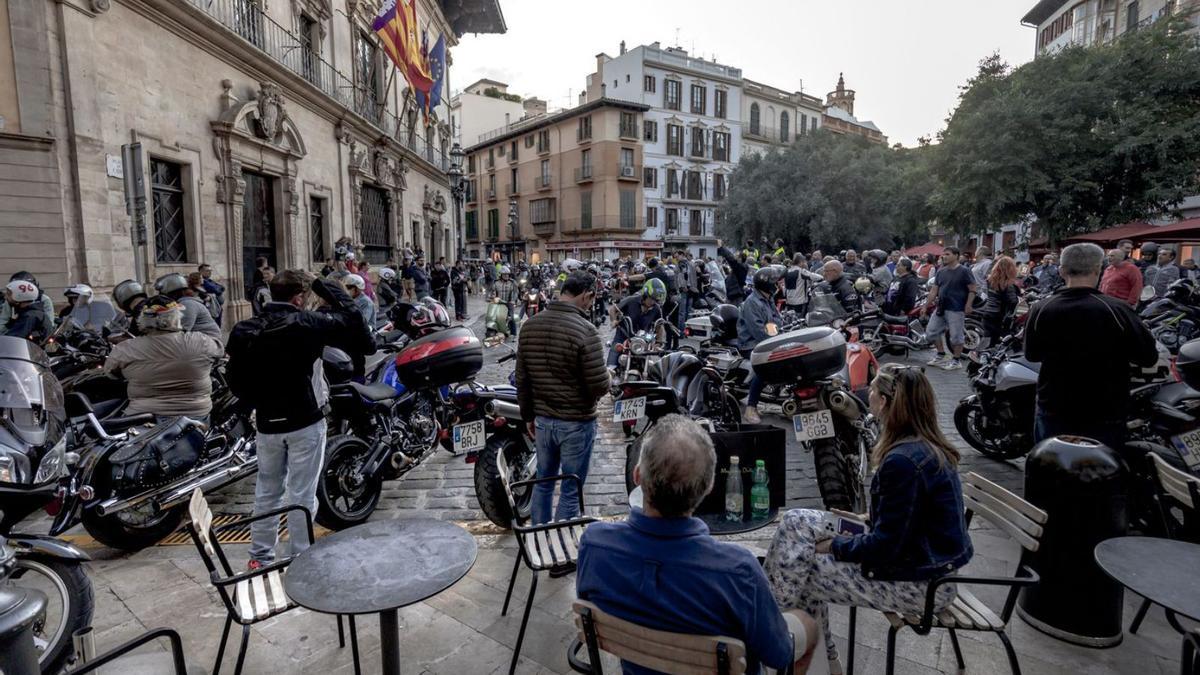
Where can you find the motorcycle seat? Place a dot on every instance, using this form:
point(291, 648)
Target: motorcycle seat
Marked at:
point(896, 319)
point(678, 371)
point(375, 392)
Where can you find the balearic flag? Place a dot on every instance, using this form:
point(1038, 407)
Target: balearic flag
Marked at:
point(396, 26)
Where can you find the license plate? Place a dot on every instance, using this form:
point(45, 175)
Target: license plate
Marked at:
point(813, 425)
point(629, 410)
point(1189, 447)
point(469, 436)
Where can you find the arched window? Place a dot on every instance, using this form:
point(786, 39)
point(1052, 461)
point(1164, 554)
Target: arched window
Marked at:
point(754, 118)
point(783, 127)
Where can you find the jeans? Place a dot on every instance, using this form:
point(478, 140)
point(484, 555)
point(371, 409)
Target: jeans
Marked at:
point(685, 308)
point(563, 446)
point(289, 466)
point(614, 357)
point(756, 383)
point(1111, 434)
point(460, 302)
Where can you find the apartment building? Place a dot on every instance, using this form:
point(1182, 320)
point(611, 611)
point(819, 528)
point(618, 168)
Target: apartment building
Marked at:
point(774, 118)
point(480, 107)
point(1088, 22)
point(691, 135)
point(567, 184)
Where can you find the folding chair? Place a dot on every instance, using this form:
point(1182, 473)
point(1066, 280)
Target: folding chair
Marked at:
point(1190, 664)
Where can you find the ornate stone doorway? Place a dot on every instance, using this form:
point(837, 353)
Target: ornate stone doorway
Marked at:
point(258, 226)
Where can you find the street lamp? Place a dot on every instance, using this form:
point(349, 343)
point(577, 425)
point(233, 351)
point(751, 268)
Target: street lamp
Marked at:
point(458, 188)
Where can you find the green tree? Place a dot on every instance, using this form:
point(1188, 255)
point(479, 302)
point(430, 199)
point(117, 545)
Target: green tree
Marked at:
point(1080, 140)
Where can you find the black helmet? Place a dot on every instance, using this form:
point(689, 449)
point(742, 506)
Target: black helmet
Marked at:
point(652, 262)
point(338, 366)
point(724, 322)
point(1149, 248)
point(126, 292)
point(1181, 290)
point(767, 278)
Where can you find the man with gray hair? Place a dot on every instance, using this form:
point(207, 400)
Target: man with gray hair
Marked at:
point(663, 570)
point(1085, 341)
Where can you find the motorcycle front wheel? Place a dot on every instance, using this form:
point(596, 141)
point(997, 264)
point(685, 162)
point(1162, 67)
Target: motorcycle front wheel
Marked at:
point(345, 497)
point(521, 459)
point(837, 478)
point(968, 420)
point(70, 601)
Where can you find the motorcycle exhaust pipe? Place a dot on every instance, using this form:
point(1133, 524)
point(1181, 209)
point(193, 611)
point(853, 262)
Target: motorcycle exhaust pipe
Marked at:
point(842, 403)
point(84, 642)
point(168, 495)
point(503, 409)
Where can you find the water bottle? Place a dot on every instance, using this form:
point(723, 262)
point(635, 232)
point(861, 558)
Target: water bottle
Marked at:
point(733, 491)
point(760, 496)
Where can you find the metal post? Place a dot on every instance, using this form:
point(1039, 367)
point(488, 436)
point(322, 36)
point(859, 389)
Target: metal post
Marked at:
point(135, 203)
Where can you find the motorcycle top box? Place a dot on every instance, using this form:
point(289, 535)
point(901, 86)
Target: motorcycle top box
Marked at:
point(800, 355)
point(445, 357)
point(1188, 363)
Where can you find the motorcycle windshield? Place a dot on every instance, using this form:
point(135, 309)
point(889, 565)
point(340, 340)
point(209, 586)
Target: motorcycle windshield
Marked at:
point(823, 308)
point(31, 401)
point(94, 315)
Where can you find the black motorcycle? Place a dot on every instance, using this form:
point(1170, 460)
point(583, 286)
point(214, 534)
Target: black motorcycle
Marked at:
point(997, 419)
point(34, 467)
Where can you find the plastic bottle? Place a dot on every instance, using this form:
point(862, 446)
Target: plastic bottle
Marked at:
point(733, 491)
point(760, 496)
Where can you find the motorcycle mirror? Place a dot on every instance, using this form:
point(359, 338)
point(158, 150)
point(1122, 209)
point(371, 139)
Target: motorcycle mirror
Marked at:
point(1148, 293)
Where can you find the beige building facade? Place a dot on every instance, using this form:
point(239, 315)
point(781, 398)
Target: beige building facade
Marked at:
point(839, 115)
point(567, 185)
point(263, 129)
point(774, 118)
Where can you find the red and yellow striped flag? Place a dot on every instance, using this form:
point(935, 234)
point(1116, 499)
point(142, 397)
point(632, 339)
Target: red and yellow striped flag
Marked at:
point(396, 26)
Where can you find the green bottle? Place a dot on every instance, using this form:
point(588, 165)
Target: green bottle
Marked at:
point(760, 496)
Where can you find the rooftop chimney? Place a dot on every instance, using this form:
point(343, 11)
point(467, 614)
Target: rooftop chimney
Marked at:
point(622, 46)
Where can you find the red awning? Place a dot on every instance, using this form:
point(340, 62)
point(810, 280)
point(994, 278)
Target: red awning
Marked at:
point(924, 249)
point(1184, 230)
point(1110, 235)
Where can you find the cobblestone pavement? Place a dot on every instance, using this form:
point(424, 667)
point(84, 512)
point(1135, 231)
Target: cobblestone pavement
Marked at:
point(461, 631)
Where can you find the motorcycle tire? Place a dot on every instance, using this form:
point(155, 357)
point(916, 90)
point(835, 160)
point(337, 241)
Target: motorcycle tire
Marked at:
point(633, 454)
point(489, 489)
point(132, 529)
point(834, 478)
point(66, 584)
point(965, 416)
point(345, 498)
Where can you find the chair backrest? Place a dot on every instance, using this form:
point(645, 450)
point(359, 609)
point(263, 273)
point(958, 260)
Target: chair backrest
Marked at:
point(1178, 485)
point(1003, 509)
point(673, 653)
point(203, 535)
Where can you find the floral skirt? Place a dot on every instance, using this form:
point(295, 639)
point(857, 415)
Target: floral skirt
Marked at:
point(802, 578)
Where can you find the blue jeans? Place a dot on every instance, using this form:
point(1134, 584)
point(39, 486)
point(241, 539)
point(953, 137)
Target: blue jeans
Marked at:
point(563, 446)
point(685, 308)
point(756, 383)
point(289, 466)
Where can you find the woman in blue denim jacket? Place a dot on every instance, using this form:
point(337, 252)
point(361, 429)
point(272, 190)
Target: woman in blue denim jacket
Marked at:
point(917, 528)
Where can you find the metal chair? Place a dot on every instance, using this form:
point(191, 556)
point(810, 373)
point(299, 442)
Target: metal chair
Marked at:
point(1176, 490)
point(654, 649)
point(1006, 511)
point(249, 597)
point(178, 665)
point(540, 547)
point(1190, 663)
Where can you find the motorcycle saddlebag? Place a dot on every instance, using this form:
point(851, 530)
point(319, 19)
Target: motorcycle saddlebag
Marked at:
point(445, 357)
point(799, 356)
point(157, 456)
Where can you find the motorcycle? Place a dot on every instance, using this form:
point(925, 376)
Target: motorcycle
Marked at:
point(493, 412)
point(997, 419)
point(34, 461)
point(639, 350)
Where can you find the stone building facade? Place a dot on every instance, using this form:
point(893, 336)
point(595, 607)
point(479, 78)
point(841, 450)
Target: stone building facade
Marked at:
point(839, 115)
point(265, 128)
point(773, 118)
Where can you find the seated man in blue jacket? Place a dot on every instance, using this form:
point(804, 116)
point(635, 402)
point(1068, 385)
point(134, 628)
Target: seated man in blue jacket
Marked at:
point(758, 319)
point(662, 569)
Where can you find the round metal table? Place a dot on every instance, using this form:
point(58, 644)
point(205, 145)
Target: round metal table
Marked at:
point(1161, 570)
point(379, 567)
point(717, 524)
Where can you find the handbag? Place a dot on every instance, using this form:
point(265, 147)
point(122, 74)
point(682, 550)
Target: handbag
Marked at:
point(157, 456)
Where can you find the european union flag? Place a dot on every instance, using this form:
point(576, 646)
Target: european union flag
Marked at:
point(436, 59)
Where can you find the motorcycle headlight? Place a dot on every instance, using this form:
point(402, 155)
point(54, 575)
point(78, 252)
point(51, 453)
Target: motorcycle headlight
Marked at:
point(53, 464)
point(638, 346)
point(14, 466)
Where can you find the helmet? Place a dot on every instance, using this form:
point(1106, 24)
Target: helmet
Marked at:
point(161, 313)
point(639, 268)
point(22, 291)
point(1150, 248)
point(767, 278)
point(349, 256)
point(170, 283)
point(387, 273)
point(1181, 290)
point(337, 365)
point(652, 262)
point(429, 313)
point(78, 290)
point(724, 321)
point(877, 255)
point(24, 276)
point(505, 269)
point(570, 265)
point(354, 280)
point(863, 285)
point(126, 291)
point(655, 289)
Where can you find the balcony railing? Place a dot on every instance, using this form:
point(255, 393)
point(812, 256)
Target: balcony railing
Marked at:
point(247, 20)
point(583, 173)
point(543, 182)
point(491, 195)
point(629, 171)
point(513, 189)
point(698, 151)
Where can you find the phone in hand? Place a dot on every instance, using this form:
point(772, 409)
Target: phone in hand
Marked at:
point(838, 522)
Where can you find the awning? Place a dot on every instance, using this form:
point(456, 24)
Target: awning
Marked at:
point(1184, 230)
point(1111, 235)
point(924, 249)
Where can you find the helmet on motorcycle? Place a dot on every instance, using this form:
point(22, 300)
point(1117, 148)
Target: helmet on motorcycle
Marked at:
point(724, 321)
point(428, 314)
point(639, 268)
point(171, 283)
point(655, 289)
point(1181, 290)
point(863, 285)
point(767, 279)
point(337, 365)
point(78, 291)
point(22, 291)
point(126, 292)
point(570, 265)
point(387, 273)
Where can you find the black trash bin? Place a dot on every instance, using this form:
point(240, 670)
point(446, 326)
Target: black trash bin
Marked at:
point(1083, 487)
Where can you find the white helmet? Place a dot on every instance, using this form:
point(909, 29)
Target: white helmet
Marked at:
point(22, 291)
point(350, 256)
point(570, 265)
point(505, 269)
point(79, 291)
point(387, 273)
point(355, 281)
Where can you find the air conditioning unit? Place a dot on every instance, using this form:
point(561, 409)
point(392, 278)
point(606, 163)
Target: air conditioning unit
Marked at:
point(627, 172)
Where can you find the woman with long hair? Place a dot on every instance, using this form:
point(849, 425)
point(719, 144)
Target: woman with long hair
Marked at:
point(1003, 294)
point(916, 528)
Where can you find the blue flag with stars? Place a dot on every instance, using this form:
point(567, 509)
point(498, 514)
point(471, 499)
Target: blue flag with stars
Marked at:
point(437, 71)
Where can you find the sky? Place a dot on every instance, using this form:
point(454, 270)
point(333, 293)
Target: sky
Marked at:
point(906, 59)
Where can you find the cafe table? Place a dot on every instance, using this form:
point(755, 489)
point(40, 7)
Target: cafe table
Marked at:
point(379, 567)
point(1164, 571)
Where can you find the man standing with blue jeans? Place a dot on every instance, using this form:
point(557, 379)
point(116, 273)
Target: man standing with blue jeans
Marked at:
point(560, 378)
point(952, 294)
point(275, 368)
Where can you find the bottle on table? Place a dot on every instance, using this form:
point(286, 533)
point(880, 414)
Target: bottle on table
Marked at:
point(760, 496)
point(733, 491)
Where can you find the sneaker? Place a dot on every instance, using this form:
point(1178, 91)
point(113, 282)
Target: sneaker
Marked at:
point(936, 360)
point(561, 570)
point(953, 364)
point(751, 415)
point(254, 566)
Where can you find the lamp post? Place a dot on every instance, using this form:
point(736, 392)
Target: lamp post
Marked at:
point(458, 189)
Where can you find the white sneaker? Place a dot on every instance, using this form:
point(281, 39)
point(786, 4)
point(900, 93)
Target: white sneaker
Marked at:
point(937, 360)
point(953, 364)
point(751, 416)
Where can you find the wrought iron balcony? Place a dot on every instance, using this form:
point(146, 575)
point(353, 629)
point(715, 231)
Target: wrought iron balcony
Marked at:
point(544, 182)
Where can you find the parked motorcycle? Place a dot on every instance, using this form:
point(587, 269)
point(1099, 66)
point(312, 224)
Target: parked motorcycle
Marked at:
point(507, 436)
point(34, 462)
point(496, 326)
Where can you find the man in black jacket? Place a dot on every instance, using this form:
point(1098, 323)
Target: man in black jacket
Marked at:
point(275, 368)
point(735, 281)
point(1085, 341)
